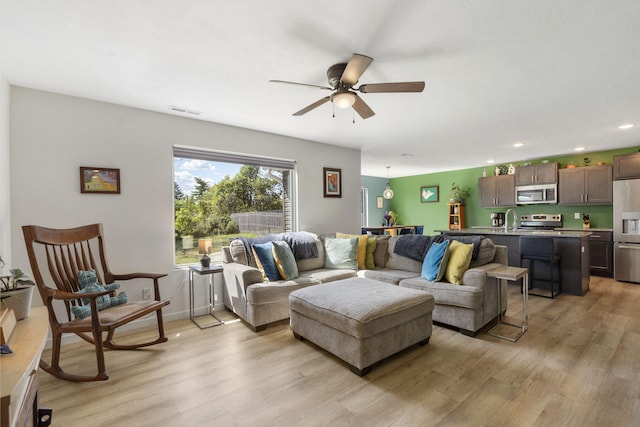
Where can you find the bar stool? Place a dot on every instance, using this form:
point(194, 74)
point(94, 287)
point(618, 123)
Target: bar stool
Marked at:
point(541, 251)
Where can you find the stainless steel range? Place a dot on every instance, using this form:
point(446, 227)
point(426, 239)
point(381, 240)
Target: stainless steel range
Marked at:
point(540, 221)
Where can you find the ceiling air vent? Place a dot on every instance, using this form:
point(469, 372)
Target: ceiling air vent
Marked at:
point(183, 110)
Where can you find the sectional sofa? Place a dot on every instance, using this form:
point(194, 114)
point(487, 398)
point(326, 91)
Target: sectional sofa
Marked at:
point(468, 306)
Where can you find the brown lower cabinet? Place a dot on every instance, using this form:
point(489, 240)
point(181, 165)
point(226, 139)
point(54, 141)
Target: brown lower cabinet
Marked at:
point(601, 253)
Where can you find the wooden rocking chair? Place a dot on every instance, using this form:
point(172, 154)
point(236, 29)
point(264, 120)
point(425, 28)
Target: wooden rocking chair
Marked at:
point(56, 256)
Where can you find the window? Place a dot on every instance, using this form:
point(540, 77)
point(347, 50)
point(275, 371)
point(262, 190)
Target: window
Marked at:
point(218, 195)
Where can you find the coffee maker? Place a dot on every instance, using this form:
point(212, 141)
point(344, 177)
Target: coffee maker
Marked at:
point(497, 219)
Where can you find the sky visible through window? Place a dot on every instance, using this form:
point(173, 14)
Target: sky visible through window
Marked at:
point(185, 170)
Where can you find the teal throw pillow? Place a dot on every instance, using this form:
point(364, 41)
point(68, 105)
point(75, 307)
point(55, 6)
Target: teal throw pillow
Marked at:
point(435, 262)
point(285, 261)
point(263, 253)
point(341, 253)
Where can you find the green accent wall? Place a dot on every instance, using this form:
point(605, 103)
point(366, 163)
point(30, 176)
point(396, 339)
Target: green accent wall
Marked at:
point(434, 216)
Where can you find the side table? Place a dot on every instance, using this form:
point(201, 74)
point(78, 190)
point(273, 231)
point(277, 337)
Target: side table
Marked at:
point(198, 269)
point(511, 274)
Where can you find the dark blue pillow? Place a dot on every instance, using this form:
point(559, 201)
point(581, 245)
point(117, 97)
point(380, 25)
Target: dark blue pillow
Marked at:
point(435, 262)
point(263, 253)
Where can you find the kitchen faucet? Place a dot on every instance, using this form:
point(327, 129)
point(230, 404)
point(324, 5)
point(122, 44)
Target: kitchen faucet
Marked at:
point(506, 221)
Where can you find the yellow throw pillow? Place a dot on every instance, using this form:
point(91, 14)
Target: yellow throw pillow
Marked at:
point(459, 260)
point(362, 247)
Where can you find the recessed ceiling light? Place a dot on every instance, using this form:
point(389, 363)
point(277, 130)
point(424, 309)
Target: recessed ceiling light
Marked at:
point(580, 148)
point(518, 144)
point(490, 161)
point(626, 126)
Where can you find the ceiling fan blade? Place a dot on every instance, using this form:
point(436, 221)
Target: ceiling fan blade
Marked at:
point(301, 84)
point(392, 87)
point(362, 108)
point(354, 69)
point(308, 108)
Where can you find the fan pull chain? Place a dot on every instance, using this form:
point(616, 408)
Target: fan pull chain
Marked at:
point(333, 109)
point(353, 117)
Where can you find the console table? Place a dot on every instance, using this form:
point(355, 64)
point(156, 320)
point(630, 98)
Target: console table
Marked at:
point(19, 372)
point(198, 269)
point(392, 229)
point(511, 274)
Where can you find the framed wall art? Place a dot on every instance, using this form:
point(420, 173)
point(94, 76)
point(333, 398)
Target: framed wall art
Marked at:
point(429, 194)
point(99, 180)
point(332, 182)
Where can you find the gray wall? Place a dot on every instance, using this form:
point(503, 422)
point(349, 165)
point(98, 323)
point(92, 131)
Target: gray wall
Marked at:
point(375, 187)
point(53, 135)
point(5, 194)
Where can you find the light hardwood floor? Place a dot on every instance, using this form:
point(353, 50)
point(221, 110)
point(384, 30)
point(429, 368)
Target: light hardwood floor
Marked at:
point(578, 365)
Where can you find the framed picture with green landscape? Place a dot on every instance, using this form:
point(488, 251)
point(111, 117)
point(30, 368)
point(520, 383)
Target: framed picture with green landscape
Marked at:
point(429, 194)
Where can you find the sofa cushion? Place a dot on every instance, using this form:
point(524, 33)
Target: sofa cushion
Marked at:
point(285, 261)
point(447, 293)
point(381, 254)
point(435, 262)
point(474, 240)
point(362, 246)
point(263, 253)
point(325, 275)
point(387, 275)
point(486, 253)
point(399, 262)
point(340, 253)
point(459, 259)
point(313, 263)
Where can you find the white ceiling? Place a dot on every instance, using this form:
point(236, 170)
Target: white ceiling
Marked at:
point(554, 74)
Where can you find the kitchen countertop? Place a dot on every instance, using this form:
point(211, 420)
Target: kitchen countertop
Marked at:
point(500, 231)
point(583, 229)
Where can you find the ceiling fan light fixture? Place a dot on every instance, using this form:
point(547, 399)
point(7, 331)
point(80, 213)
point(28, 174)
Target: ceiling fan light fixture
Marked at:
point(343, 99)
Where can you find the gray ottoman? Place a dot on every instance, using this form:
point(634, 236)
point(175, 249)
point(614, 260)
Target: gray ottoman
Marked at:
point(360, 320)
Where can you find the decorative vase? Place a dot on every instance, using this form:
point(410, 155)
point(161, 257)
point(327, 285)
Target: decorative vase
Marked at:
point(205, 261)
point(19, 300)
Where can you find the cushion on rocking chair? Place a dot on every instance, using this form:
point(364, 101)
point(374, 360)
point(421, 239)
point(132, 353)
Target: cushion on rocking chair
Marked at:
point(89, 283)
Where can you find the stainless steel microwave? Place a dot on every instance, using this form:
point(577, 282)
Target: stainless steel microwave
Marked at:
point(537, 194)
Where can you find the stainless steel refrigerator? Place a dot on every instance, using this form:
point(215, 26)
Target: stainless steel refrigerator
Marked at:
point(626, 230)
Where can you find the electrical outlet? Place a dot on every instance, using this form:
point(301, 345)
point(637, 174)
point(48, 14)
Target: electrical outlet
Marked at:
point(146, 293)
point(576, 215)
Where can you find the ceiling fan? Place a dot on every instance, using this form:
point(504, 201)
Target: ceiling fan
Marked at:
point(342, 79)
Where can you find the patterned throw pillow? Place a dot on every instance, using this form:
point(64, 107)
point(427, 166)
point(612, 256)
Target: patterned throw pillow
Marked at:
point(263, 253)
point(285, 261)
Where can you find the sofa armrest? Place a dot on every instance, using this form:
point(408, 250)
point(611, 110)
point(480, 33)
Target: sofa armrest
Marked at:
point(240, 275)
point(502, 255)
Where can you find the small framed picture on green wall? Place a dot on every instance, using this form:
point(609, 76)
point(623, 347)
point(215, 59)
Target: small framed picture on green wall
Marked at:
point(429, 194)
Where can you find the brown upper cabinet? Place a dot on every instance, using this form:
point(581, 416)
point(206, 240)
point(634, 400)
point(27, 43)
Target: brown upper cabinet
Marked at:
point(626, 166)
point(544, 173)
point(496, 191)
point(590, 185)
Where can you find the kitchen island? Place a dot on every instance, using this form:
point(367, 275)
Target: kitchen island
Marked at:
point(572, 245)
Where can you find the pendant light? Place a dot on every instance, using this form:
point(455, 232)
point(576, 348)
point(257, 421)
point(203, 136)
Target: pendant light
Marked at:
point(388, 192)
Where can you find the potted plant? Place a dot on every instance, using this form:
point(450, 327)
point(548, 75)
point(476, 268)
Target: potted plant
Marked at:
point(458, 193)
point(16, 291)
